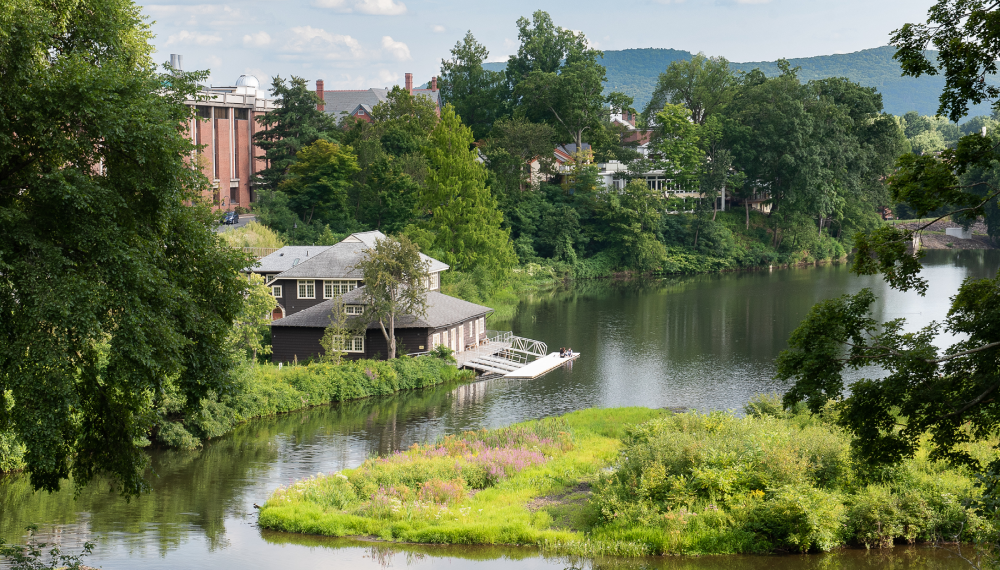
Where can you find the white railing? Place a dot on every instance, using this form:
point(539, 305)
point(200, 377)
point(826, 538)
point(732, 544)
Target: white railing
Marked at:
point(529, 346)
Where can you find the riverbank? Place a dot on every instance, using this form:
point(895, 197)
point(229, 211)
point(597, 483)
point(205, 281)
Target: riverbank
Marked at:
point(638, 482)
point(263, 389)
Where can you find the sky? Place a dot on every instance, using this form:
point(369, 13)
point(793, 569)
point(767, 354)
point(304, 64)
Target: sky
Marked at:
point(358, 44)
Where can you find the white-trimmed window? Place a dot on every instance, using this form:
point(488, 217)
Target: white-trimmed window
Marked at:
point(276, 290)
point(435, 281)
point(269, 278)
point(354, 309)
point(353, 344)
point(307, 289)
point(435, 340)
point(332, 289)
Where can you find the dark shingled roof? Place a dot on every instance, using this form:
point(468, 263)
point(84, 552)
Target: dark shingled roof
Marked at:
point(285, 258)
point(336, 262)
point(442, 311)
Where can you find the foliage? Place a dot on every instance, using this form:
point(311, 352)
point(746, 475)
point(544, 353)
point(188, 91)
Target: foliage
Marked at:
point(253, 322)
point(265, 390)
point(479, 96)
point(464, 215)
point(636, 482)
point(292, 125)
point(253, 234)
point(32, 556)
point(395, 284)
point(319, 178)
point(702, 85)
point(337, 333)
point(96, 188)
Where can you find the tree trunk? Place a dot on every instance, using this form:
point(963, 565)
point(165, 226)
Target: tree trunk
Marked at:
point(746, 205)
point(715, 208)
point(820, 234)
point(392, 336)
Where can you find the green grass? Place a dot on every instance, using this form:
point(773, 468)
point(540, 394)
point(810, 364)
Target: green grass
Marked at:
point(639, 482)
point(261, 390)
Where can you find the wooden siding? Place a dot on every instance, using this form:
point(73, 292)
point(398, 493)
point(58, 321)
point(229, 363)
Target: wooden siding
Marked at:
point(290, 295)
point(303, 342)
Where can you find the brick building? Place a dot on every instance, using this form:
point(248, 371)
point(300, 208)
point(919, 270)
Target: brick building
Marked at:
point(225, 124)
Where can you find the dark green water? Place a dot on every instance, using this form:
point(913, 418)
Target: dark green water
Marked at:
point(704, 342)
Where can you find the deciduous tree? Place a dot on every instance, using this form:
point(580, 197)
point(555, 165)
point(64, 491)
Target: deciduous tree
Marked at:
point(111, 279)
point(395, 284)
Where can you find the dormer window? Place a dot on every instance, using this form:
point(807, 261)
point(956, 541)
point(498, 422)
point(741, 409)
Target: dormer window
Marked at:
point(354, 309)
point(361, 112)
point(333, 289)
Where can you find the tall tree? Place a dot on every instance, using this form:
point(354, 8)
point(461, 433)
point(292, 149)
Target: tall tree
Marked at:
point(293, 124)
point(464, 213)
point(111, 279)
point(395, 284)
point(703, 85)
point(557, 79)
point(480, 96)
point(945, 394)
point(319, 178)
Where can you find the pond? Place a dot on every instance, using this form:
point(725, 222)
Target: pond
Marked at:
point(704, 342)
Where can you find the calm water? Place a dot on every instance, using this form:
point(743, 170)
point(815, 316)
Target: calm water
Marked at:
point(704, 342)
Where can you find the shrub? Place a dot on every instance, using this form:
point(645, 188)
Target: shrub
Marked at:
point(797, 517)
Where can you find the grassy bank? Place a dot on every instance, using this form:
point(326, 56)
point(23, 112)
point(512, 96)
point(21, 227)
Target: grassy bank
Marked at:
point(637, 482)
point(265, 390)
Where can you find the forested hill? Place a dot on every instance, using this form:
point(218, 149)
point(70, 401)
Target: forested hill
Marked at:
point(635, 71)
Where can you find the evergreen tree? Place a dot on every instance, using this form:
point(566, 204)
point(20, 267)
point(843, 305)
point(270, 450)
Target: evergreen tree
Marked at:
point(294, 124)
point(480, 96)
point(318, 180)
point(464, 213)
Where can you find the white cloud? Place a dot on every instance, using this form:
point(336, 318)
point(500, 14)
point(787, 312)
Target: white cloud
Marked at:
point(438, 28)
point(398, 50)
point(259, 39)
point(387, 77)
point(186, 37)
point(373, 7)
point(310, 39)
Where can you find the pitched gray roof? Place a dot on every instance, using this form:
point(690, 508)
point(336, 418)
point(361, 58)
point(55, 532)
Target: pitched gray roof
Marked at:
point(339, 103)
point(337, 262)
point(442, 311)
point(287, 257)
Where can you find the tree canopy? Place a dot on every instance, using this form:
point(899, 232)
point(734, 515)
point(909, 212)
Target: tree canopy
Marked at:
point(111, 284)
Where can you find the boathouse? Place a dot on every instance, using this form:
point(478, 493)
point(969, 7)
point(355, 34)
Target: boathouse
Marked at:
point(306, 289)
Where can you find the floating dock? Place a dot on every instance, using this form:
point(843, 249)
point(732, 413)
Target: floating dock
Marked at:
point(504, 354)
point(543, 365)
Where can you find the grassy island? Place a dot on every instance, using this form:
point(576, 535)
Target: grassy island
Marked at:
point(635, 482)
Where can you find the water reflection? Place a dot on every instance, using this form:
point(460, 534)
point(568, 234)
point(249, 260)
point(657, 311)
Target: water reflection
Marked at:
point(705, 342)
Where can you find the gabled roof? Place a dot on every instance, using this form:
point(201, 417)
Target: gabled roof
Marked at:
point(287, 257)
point(340, 103)
point(442, 311)
point(338, 261)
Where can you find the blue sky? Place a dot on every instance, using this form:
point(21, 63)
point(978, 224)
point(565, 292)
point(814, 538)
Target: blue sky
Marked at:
point(357, 44)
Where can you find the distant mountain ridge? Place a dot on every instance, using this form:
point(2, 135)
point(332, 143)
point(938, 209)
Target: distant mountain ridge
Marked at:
point(635, 72)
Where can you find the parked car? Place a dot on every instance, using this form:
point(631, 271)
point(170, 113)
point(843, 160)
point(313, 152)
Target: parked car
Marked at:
point(230, 218)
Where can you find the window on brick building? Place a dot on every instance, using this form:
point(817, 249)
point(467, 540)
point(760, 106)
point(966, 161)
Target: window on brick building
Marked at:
point(221, 113)
point(241, 114)
point(204, 112)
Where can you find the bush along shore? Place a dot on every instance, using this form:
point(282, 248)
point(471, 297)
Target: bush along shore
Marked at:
point(637, 482)
point(265, 390)
point(261, 390)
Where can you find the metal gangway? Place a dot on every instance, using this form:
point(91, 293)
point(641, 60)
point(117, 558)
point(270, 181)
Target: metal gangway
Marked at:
point(501, 353)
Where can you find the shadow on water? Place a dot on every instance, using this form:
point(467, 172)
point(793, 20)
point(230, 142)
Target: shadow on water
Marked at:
point(704, 342)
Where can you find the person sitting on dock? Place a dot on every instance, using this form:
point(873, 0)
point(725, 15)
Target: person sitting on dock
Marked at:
point(569, 352)
point(562, 352)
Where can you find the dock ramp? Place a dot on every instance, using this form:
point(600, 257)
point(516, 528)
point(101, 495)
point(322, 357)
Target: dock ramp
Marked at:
point(505, 354)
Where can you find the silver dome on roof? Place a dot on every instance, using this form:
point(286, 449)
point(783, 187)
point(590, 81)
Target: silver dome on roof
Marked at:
point(248, 81)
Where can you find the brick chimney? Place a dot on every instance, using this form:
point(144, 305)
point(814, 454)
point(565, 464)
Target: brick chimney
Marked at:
point(434, 83)
point(319, 93)
point(409, 83)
